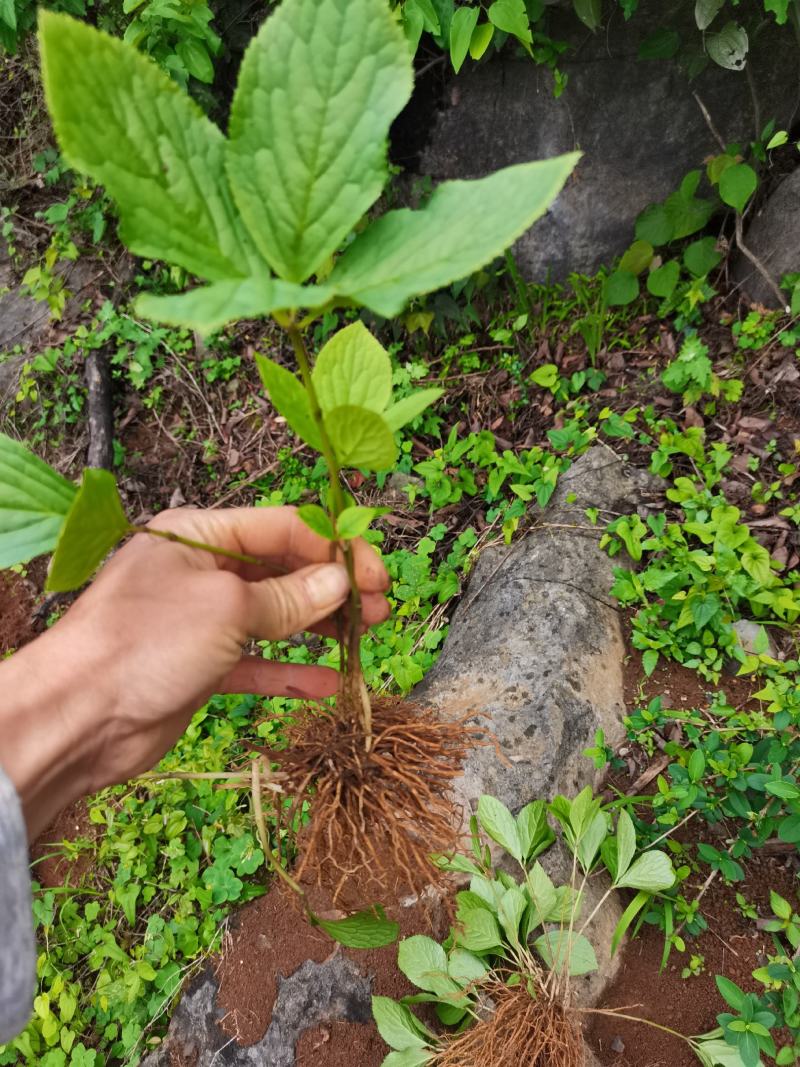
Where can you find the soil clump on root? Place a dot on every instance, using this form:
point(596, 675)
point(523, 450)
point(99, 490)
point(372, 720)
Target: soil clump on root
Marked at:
point(518, 1029)
point(377, 815)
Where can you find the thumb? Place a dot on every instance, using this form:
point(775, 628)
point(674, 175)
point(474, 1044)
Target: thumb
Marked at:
point(283, 606)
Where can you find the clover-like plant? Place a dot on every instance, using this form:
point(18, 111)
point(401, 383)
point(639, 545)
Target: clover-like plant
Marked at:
point(271, 217)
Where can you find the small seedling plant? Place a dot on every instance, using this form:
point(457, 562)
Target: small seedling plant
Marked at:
point(271, 217)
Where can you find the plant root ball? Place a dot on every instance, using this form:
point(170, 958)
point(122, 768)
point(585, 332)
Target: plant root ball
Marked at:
point(534, 1031)
point(375, 816)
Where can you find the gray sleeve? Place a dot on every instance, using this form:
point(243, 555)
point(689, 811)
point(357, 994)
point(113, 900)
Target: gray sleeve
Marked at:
point(17, 944)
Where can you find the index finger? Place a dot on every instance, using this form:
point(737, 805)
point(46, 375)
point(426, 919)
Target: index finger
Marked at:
point(275, 534)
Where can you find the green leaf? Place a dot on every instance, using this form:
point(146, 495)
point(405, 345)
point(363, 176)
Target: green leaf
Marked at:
point(589, 12)
point(360, 438)
point(396, 1024)
point(195, 58)
point(318, 89)
point(637, 258)
point(627, 918)
point(649, 661)
point(511, 16)
point(591, 840)
point(365, 929)
point(405, 253)
point(696, 765)
point(626, 842)
point(290, 399)
point(728, 48)
point(353, 368)
point(705, 11)
point(8, 13)
point(661, 282)
point(702, 256)
point(477, 930)
point(95, 523)
point(34, 502)
point(481, 39)
point(120, 119)
point(354, 521)
point(653, 225)
point(534, 831)
point(409, 407)
point(777, 140)
point(510, 911)
point(652, 872)
point(464, 967)
point(424, 963)
point(318, 520)
point(408, 1057)
point(737, 185)
point(561, 952)
point(620, 288)
point(210, 307)
point(498, 822)
point(663, 44)
point(462, 27)
point(779, 8)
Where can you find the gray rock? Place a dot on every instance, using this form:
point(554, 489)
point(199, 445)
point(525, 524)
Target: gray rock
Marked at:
point(637, 122)
point(773, 237)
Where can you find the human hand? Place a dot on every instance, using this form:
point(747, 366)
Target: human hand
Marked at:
point(159, 631)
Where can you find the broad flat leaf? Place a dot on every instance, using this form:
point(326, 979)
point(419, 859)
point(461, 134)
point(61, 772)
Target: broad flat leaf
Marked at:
point(626, 842)
point(365, 929)
point(465, 19)
point(512, 908)
point(780, 9)
point(196, 59)
point(481, 39)
point(318, 89)
point(360, 438)
point(652, 872)
point(498, 822)
point(543, 896)
point(663, 44)
point(702, 256)
point(737, 185)
point(355, 520)
point(409, 407)
point(637, 258)
point(729, 47)
point(464, 967)
point(8, 13)
point(561, 952)
point(211, 307)
point(731, 993)
point(511, 16)
point(620, 288)
point(464, 225)
point(591, 840)
point(589, 12)
point(120, 119)
point(408, 1057)
point(424, 962)
point(535, 834)
point(353, 368)
point(718, 1053)
point(34, 502)
point(318, 520)
point(95, 523)
point(396, 1024)
point(290, 398)
point(705, 11)
point(430, 18)
point(654, 226)
point(477, 930)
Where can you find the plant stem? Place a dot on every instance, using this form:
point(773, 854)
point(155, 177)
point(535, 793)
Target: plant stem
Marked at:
point(638, 1019)
point(263, 836)
point(353, 691)
point(168, 535)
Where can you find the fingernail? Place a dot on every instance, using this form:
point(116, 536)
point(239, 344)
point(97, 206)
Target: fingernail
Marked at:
point(329, 585)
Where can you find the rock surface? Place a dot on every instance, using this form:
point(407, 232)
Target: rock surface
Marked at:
point(636, 121)
point(536, 647)
point(773, 237)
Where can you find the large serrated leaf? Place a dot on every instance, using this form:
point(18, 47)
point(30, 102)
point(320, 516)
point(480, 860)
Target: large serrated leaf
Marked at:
point(95, 523)
point(353, 368)
point(464, 225)
point(34, 502)
point(318, 89)
point(562, 951)
point(397, 1025)
point(290, 398)
point(211, 307)
point(123, 121)
point(410, 406)
point(366, 929)
point(360, 438)
point(424, 962)
point(652, 872)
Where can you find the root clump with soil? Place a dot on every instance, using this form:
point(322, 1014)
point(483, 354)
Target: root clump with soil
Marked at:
point(378, 812)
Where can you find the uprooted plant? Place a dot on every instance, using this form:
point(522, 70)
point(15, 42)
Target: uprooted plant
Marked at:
point(501, 980)
point(260, 216)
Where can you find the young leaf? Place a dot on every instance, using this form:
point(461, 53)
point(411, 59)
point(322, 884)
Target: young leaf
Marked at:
point(405, 253)
point(626, 842)
point(481, 39)
point(353, 368)
point(120, 119)
point(511, 16)
point(318, 89)
point(210, 307)
point(355, 520)
point(34, 502)
point(512, 908)
point(360, 438)
point(318, 520)
point(535, 834)
point(737, 185)
point(652, 872)
point(396, 1024)
point(409, 407)
point(424, 963)
point(290, 398)
point(365, 929)
point(560, 952)
point(498, 822)
point(462, 27)
point(95, 523)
